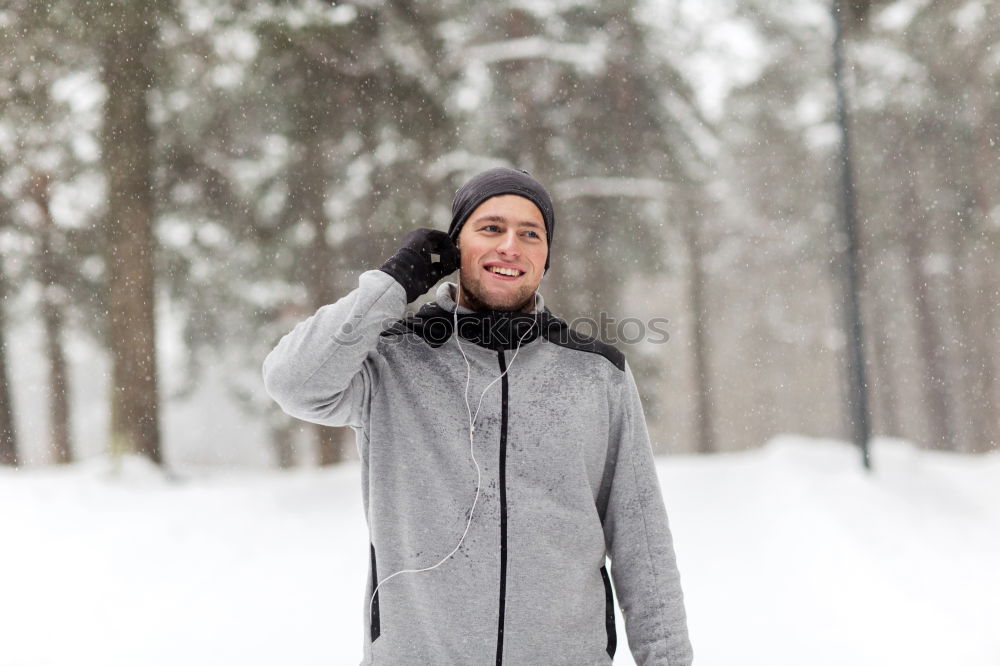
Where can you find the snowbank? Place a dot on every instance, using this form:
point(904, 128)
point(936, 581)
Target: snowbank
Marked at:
point(789, 555)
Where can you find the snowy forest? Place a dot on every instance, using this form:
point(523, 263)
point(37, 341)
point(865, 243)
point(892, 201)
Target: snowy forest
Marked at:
point(785, 213)
point(182, 181)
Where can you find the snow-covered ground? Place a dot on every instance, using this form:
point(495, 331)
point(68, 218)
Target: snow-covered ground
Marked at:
point(790, 556)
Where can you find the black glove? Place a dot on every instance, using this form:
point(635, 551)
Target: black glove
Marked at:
point(425, 256)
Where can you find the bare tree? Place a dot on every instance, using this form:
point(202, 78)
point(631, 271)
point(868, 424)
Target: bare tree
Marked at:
point(128, 159)
point(8, 432)
point(53, 295)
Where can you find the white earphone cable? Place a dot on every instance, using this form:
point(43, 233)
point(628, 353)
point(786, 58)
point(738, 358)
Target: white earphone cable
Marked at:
point(472, 432)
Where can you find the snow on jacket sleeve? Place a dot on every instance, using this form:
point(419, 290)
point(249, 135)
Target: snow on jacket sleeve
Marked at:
point(640, 546)
point(326, 369)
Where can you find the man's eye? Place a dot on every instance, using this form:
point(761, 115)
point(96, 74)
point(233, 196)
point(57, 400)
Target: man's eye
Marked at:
point(491, 227)
point(533, 234)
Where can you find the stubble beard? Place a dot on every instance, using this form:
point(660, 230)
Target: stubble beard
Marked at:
point(472, 297)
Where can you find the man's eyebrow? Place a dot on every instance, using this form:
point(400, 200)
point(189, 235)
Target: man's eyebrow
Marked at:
point(501, 218)
point(491, 218)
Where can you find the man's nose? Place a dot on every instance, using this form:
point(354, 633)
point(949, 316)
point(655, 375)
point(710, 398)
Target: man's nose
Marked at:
point(510, 245)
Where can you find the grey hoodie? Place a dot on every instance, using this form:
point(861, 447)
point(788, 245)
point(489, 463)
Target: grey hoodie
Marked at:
point(567, 481)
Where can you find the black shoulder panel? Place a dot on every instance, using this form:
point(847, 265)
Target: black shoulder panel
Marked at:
point(398, 327)
point(431, 322)
point(434, 325)
point(559, 333)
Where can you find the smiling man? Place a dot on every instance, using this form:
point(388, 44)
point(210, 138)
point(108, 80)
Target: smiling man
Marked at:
point(504, 457)
point(504, 249)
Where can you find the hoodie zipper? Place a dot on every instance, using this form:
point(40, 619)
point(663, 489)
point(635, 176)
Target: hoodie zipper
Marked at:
point(503, 505)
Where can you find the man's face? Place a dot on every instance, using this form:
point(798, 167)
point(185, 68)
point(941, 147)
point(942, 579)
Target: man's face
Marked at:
point(505, 233)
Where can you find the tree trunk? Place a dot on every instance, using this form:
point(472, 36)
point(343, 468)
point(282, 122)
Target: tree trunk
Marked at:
point(283, 438)
point(699, 340)
point(60, 446)
point(980, 335)
point(930, 341)
point(308, 195)
point(127, 144)
point(984, 274)
point(332, 444)
point(8, 432)
point(848, 259)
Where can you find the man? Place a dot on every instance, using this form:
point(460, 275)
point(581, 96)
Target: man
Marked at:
point(500, 466)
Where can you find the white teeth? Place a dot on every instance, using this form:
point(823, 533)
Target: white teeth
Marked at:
point(505, 271)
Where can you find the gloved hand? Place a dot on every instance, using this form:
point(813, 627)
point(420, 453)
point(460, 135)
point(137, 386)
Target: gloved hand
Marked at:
point(425, 256)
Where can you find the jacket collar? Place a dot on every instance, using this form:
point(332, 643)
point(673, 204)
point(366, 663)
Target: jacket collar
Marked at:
point(492, 329)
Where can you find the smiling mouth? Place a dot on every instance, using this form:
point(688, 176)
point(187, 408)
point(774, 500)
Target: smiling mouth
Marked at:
point(504, 272)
